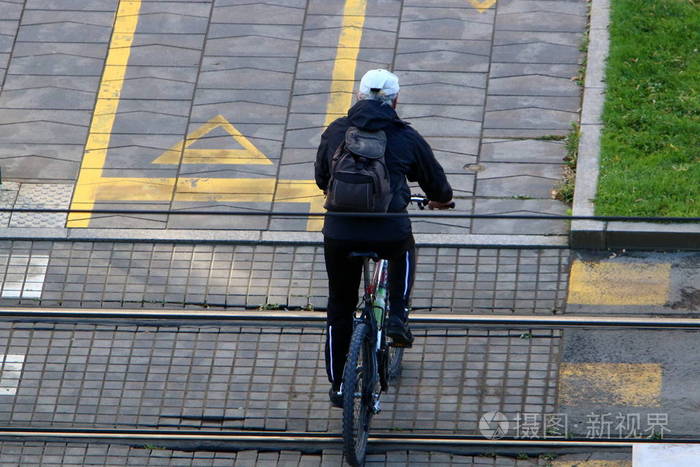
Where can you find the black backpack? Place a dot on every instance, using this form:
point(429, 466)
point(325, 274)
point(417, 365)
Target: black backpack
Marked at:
point(359, 179)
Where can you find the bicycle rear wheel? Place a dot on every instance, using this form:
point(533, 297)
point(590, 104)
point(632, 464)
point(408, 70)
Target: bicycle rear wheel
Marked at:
point(357, 395)
point(395, 357)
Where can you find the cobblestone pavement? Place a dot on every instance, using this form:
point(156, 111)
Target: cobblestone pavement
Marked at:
point(20, 454)
point(219, 104)
point(94, 274)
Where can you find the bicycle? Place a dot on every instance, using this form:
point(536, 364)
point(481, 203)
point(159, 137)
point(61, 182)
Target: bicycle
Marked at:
point(371, 362)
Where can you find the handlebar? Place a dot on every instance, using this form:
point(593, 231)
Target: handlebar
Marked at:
point(422, 202)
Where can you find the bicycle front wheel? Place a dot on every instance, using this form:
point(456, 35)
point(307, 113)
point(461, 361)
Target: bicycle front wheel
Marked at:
point(357, 395)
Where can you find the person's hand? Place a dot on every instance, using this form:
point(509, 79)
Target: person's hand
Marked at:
point(441, 206)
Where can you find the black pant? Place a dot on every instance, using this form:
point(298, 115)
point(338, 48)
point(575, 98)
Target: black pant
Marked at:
point(344, 276)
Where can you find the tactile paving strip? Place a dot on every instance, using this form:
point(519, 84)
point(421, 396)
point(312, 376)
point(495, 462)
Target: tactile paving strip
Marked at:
point(86, 274)
point(41, 195)
point(128, 376)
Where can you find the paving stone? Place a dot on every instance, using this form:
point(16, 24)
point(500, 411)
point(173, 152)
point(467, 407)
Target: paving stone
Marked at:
point(159, 55)
point(279, 64)
point(67, 31)
point(438, 94)
point(172, 23)
point(43, 132)
point(242, 78)
point(77, 50)
point(22, 82)
point(524, 6)
point(299, 121)
point(334, 7)
point(47, 98)
point(442, 55)
point(241, 112)
point(504, 38)
point(97, 5)
point(11, 10)
point(526, 180)
point(259, 14)
point(564, 104)
point(528, 119)
point(447, 127)
point(537, 52)
point(314, 67)
point(533, 85)
point(378, 33)
point(516, 206)
point(251, 45)
point(57, 64)
point(522, 151)
point(149, 122)
point(447, 27)
point(189, 41)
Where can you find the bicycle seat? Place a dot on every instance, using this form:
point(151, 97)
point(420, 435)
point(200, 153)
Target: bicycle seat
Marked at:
point(363, 254)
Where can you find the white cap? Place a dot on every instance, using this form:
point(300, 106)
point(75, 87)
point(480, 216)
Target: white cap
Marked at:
point(379, 79)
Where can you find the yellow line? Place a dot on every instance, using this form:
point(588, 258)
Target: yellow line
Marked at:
point(482, 5)
point(612, 284)
point(105, 110)
point(617, 384)
point(346, 60)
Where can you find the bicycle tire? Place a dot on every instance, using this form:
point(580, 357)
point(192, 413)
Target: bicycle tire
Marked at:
point(395, 357)
point(357, 410)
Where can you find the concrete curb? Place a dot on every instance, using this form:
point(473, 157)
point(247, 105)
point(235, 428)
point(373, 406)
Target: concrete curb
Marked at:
point(267, 237)
point(603, 234)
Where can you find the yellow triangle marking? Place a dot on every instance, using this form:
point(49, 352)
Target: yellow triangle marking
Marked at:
point(482, 5)
point(248, 155)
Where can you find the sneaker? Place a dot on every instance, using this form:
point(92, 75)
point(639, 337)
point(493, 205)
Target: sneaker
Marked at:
point(398, 330)
point(336, 397)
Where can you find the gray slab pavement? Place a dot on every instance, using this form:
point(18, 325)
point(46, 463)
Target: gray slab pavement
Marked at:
point(230, 377)
point(16, 454)
point(488, 87)
point(105, 274)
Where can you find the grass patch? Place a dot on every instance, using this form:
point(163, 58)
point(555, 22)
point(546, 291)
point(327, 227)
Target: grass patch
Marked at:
point(565, 190)
point(650, 153)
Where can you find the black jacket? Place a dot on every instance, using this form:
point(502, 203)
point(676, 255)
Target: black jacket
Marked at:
point(407, 155)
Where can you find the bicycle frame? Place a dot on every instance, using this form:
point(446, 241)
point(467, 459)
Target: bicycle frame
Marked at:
point(374, 311)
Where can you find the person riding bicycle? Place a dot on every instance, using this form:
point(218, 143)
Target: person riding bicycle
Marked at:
point(407, 156)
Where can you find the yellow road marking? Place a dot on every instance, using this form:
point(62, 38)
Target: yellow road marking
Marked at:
point(105, 109)
point(620, 384)
point(598, 463)
point(343, 78)
point(482, 5)
point(619, 283)
point(92, 186)
point(251, 190)
point(248, 155)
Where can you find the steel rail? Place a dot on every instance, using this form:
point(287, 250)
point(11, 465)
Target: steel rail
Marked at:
point(436, 214)
point(283, 437)
point(417, 319)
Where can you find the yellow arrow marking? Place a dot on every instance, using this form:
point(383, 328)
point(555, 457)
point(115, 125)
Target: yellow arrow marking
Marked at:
point(248, 155)
point(482, 5)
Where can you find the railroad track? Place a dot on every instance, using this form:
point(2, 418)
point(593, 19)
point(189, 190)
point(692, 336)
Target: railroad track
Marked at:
point(316, 442)
point(311, 318)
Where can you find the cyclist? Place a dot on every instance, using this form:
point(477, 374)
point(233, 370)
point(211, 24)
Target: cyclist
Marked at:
point(407, 156)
